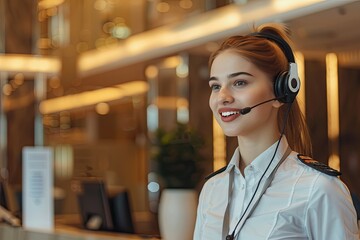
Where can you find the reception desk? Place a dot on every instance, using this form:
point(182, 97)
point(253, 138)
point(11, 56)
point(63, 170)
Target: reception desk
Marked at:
point(63, 232)
point(67, 227)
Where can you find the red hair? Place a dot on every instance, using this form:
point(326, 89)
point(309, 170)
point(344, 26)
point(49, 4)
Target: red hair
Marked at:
point(270, 58)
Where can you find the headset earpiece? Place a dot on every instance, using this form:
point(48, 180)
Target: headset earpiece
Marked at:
point(287, 83)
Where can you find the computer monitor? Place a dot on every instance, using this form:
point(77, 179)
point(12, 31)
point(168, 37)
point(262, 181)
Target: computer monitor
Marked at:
point(5, 214)
point(101, 211)
point(121, 212)
point(3, 197)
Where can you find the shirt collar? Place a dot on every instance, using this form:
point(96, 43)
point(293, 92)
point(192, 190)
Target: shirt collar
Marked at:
point(261, 162)
point(234, 162)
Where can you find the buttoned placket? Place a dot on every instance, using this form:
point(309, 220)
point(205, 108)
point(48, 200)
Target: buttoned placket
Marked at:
point(237, 198)
point(252, 176)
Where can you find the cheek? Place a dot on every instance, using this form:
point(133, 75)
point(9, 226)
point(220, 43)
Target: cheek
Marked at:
point(256, 99)
point(260, 96)
point(211, 101)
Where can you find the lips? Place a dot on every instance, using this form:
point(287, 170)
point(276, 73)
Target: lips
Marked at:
point(229, 114)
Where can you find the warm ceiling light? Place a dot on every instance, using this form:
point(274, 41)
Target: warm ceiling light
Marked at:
point(45, 4)
point(186, 4)
point(90, 98)
point(163, 7)
point(29, 63)
point(171, 62)
point(100, 5)
point(7, 89)
point(151, 72)
point(19, 79)
point(102, 108)
point(286, 4)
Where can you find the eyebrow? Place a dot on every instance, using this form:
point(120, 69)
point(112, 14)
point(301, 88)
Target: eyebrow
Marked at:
point(231, 75)
point(239, 73)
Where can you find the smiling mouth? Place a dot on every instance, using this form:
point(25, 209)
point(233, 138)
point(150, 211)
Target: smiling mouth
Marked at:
point(229, 113)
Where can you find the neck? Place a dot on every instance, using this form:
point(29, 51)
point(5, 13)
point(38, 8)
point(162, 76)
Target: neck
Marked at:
point(251, 148)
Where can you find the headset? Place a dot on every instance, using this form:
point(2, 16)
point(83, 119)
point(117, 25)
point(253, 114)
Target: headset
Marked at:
point(287, 83)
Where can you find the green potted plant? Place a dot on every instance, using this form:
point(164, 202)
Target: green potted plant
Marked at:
point(177, 157)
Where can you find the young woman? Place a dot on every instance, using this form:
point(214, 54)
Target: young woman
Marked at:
point(268, 190)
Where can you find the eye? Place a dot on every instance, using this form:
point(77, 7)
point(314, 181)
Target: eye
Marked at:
point(214, 86)
point(240, 83)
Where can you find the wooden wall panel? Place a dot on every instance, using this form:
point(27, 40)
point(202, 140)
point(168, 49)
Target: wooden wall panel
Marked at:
point(316, 108)
point(19, 30)
point(200, 113)
point(349, 98)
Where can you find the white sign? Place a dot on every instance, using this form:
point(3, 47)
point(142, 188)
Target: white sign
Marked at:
point(38, 202)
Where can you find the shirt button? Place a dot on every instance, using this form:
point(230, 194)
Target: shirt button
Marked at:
point(251, 167)
point(242, 186)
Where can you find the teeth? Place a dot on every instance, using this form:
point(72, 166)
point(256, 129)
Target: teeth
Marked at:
point(226, 114)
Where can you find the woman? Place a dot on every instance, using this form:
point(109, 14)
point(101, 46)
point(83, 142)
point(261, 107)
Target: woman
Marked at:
point(267, 191)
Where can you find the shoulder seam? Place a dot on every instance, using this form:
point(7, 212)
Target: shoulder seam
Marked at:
point(321, 167)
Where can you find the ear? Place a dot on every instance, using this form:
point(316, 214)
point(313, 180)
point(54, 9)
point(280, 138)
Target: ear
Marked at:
point(277, 104)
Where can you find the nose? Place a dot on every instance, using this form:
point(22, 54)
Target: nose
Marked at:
point(225, 96)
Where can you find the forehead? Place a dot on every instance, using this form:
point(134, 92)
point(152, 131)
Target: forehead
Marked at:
point(230, 61)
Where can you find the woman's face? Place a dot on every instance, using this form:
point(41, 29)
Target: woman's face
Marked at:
point(236, 83)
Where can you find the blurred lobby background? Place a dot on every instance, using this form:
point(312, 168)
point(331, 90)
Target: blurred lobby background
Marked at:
point(94, 79)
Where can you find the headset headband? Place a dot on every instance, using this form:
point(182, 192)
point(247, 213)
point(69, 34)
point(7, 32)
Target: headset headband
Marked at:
point(285, 47)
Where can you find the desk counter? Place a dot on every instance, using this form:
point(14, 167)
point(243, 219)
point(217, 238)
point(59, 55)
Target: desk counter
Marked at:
point(63, 232)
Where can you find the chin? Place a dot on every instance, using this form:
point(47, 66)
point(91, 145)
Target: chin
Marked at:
point(231, 133)
point(230, 130)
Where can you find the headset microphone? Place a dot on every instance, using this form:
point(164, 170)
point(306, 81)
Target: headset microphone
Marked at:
point(248, 109)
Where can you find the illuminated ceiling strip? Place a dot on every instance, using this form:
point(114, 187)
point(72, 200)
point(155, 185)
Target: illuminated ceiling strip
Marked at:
point(29, 64)
point(194, 31)
point(219, 146)
point(46, 4)
point(209, 26)
point(90, 98)
point(332, 93)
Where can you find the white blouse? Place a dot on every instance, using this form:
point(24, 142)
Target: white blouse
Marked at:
point(300, 202)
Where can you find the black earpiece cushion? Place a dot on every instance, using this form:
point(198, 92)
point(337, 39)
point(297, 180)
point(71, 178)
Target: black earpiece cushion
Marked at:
point(279, 86)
